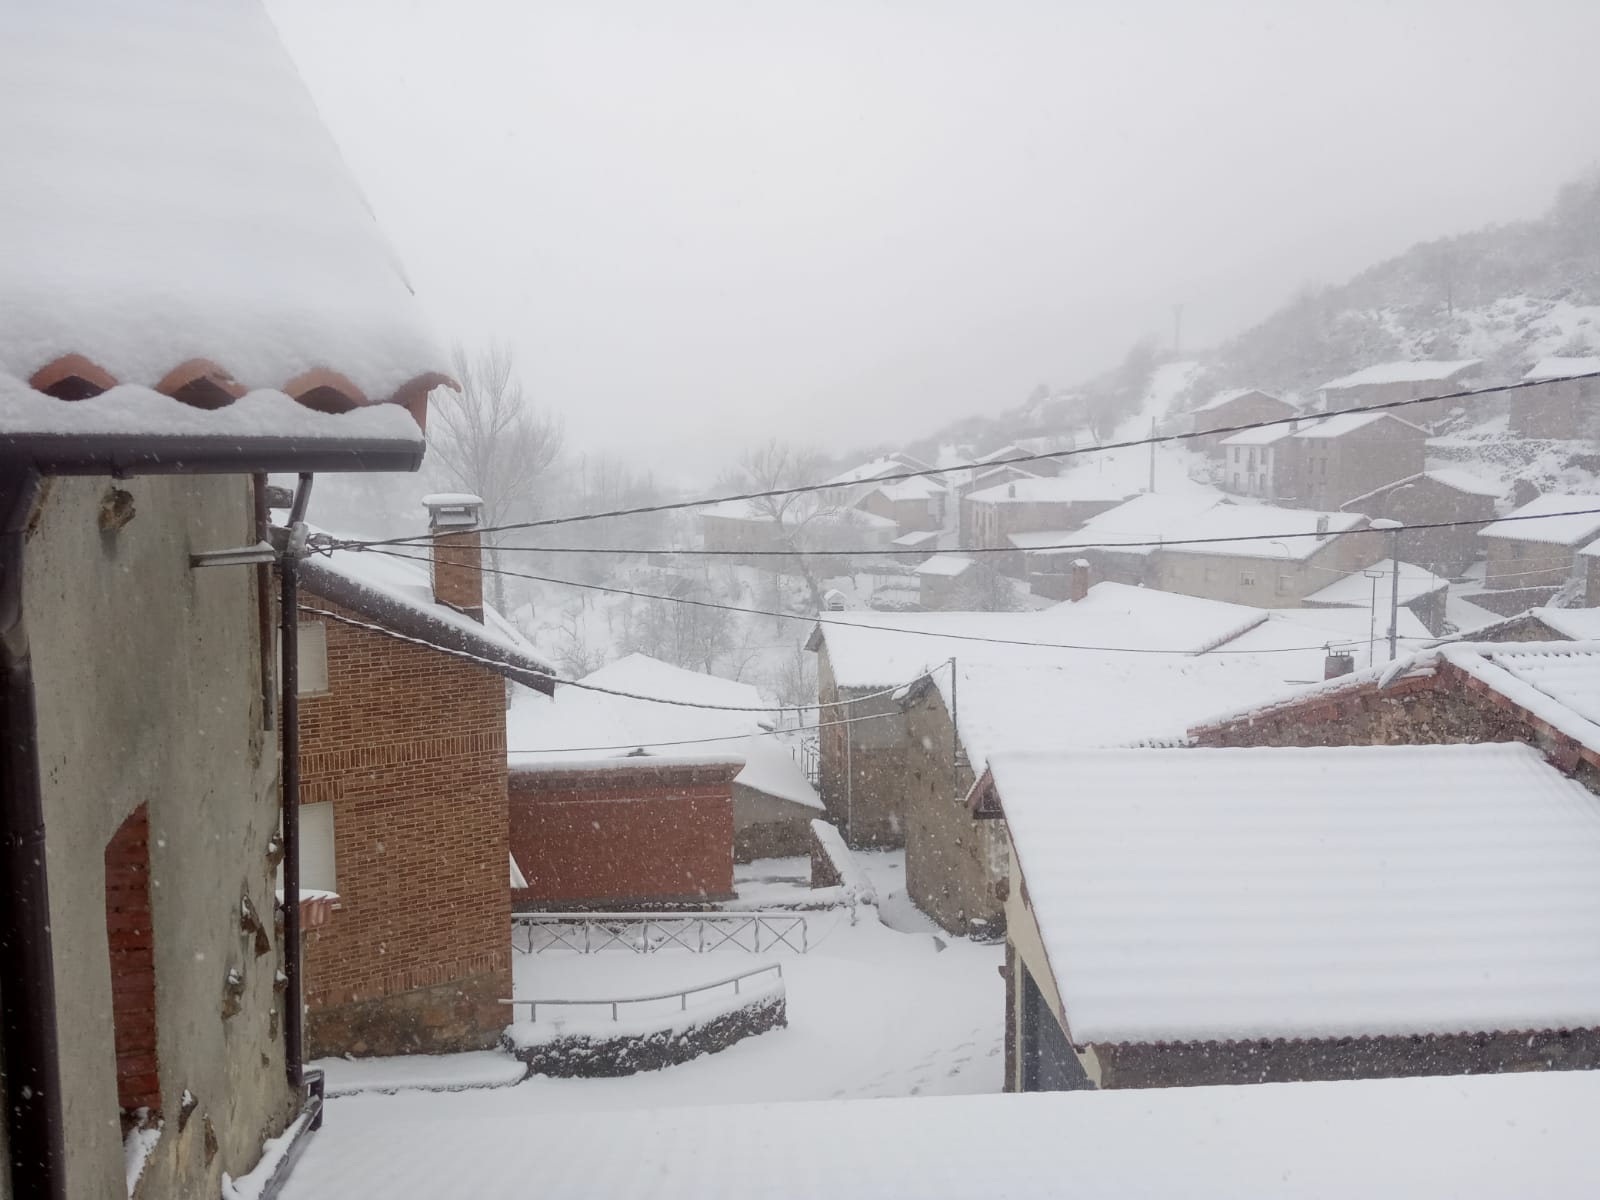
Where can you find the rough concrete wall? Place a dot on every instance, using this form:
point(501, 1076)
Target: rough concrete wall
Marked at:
point(766, 826)
point(148, 686)
point(1199, 1064)
point(409, 747)
point(1187, 573)
point(862, 765)
point(954, 864)
point(1443, 551)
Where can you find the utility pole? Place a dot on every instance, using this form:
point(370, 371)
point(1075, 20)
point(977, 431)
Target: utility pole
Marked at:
point(1372, 613)
point(1393, 529)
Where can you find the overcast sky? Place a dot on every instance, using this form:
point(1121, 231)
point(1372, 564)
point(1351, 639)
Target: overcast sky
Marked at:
point(702, 223)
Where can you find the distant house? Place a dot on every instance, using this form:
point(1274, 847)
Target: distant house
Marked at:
point(1031, 505)
point(1558, 406)
point(599, 725)
point(1264, 556)
point(1250, 461)
point(1237, 916)
point(1421, 591)
point(940, 580)
point(914, 505)
point(1121, 543)
point(403, 793)
point(982, 479)
point(1237, 406)
point(848, 488)
point(1029, 448)
point(1329, 460)
point(640, 831)
point(1440, 495)
point(1534, 546)
point(194, 296)
point(1392, 381)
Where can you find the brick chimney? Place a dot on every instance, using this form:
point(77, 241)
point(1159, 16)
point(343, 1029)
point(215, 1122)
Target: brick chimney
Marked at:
point(453, 519)
point(1078, 585)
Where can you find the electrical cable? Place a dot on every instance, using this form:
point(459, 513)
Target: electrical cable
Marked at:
point(821, 619)
point(1051, 455)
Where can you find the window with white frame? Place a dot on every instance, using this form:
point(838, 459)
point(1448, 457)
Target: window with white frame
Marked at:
point(317, 866)
point(312, 659)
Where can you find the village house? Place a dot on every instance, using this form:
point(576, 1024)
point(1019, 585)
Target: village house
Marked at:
point(1237, 916)
point(941, 581)
point(1264, 556)
point(599, 738)
point(403, 792)
point(1029, 448)
point(1058, 503)
point(848, 488)
point(1119, 544)
point(1532, 552)
point(963, 484)
point(1439, 495)
point(1329, 460)
point(1237, 406)
point(152, 1033)
point(1250, 461)
point(1559, 406)
point(1542, 625)
point(1389, 382)
point(915, 505)
point(1421, 591)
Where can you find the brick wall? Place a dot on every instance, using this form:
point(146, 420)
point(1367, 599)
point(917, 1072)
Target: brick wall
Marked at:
point(622, 838)
point(409, 747)
point(133, 966)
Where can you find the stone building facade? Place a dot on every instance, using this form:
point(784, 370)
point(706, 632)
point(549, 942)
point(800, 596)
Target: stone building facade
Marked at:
point(1262, 579)
point(1434, 496)
point(862, 763)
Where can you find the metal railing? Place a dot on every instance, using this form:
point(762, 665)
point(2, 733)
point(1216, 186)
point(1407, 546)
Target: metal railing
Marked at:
point(647, 933)
point(682, 995)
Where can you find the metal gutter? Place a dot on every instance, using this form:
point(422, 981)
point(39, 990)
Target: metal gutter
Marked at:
point(121, 455)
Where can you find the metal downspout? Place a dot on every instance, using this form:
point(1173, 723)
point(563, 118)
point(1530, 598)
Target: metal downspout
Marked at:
point(289, 639)
point(30, 1041)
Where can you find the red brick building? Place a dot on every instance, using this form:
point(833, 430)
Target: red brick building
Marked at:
point(618, 833)
point(403, 795)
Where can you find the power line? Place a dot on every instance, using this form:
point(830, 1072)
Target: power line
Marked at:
point(767, 710)
point(1151, 544)
point(732, 737)
point(1049, 455)
point(824, 620)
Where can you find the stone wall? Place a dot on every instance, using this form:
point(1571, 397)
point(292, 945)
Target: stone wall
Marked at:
point(408, 745)
point(1196, 1064)
point(862, 776)
point(955, 865)
point(1511, 563)
point(1444, 708)
point(149, 693)
point(767, 826)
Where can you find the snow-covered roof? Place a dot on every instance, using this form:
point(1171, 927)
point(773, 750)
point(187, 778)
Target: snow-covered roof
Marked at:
point(917, 539)
point(872, 649)
point(920, 487)
point(1267, 435)
point(174, 214)
point(1148, 518)
point(1299, 639)
point(1224, 398)
point(1579, 624)
point(1244, 531)
point(1060, 489)
point(1232, 894)
point(1340, 424)
point(1561, 368)
point(578, 726)
point(1355, 590)
point(265, 429)
point(1471, 1137)
point(1425, 371)
point(888, 464)
point(1563, 520)
point(1045, 539)
point(397, 593)
point(945, 564)
point(1463, 481)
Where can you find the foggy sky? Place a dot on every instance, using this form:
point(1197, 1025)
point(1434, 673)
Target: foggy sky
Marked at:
point(704, 222)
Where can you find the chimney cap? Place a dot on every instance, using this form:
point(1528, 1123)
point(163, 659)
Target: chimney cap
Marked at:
point(459, 510)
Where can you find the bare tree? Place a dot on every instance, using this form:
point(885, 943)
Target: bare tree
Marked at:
point(983, 589)
point(488, 439)
point(775, 466)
